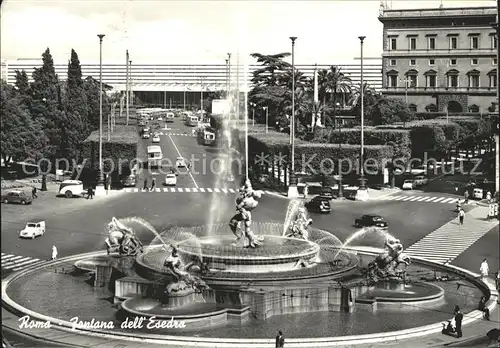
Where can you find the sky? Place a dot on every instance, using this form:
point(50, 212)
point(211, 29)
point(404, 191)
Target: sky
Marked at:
point(197, 32)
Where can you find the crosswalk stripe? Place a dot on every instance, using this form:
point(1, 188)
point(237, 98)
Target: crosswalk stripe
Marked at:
point(209, 189)
point(194, 189)
point(232, 191)
point(187, 190)
point(7, 256)
point(439, 199)
point(448, 200)
point(165, 189)
point(224, 190)
point(180, 190)
point(33, 264)
point(407, 198)
point(202, 189)
point(413, 199)
point(12, 259)
point(25, 263)
point(421, 199)
point(216, 190)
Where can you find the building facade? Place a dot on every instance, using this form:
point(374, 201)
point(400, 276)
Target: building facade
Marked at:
point(441, 59)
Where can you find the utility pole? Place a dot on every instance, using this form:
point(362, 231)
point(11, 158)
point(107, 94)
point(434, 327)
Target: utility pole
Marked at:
point(130, 88)
point(126, 87)
point(496, 136)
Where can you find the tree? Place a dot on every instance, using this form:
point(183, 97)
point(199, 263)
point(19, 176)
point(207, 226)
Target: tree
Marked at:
point(272, 67)
point(337, 83)
point(389, 110)
point(20, 136)
point(370, 98)
point(22, 83)
point(92, 87)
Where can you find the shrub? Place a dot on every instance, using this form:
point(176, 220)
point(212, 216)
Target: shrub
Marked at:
point(117, 154)
point(429, 115)
point(398, 138)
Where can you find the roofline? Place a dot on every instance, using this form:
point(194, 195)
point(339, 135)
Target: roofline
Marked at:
point(442, 9)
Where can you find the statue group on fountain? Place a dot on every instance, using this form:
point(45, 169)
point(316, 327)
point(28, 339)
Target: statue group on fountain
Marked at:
point(299, 226)
point(245, 203)
point(183, 279)
point(386, 264)
point(122, 239)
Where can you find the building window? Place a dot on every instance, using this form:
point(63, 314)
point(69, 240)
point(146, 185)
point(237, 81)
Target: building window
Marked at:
point(393, 81)
point(411, 80)
point(452, 78)
point(453, 42)
point(393, 45)
point(494, 61)
point(431, 108)
point(494, 41)
point(474, 81)
point(430, 81)
point(413, 43)
point(432, 62)
point(453, 62)
point(431, 43)
point(474, 42)
point(392, 62)
point(474, 61)
point(413, 62)
point(492, 75)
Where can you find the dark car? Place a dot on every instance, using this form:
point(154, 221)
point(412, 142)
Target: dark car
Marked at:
point(129, 181)
point(16, 196)
point(371, 221)
point(319, 204)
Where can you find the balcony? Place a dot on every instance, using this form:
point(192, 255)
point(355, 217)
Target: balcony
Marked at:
point(440, 89)
point(465, 52)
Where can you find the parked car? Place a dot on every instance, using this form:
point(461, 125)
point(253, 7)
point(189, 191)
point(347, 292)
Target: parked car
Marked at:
point(370, 220)
point(421, 180)
point(16, 196)
point(171, 180)
point(33, 230)
point(156, 139)
point(409, 185)
point(319, 204)
point(145, 135)
point(129, 181)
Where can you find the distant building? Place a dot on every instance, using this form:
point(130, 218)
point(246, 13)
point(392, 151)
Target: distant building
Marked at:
point(441, 59)
point(166, 84)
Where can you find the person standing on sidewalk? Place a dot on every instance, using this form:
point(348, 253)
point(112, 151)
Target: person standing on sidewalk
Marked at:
point(466, 197)
point(280, 340)
point(306, 191)
point(54, 252)
point(33, 193)
point(458, 321)
point(461, 216)
point(484, 269)
point(145, 184)
point(153, 184)
point(90, 193)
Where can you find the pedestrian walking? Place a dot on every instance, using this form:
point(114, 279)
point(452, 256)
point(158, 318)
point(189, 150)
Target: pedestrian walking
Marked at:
point(306, 191)
point(461, 216)
point(466, 197)
point(280, 340)
point(54, 252)
point(488, 196)
point(153, 184)
point(458, 321)
point(484, 269)
point(33, 193)
point(145, 184)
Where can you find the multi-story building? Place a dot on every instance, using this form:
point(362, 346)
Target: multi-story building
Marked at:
point(442, 59)
point(172, 84)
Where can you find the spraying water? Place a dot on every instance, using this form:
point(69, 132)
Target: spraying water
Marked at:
point(291, 212)
point(143, 223)
point(362, 232)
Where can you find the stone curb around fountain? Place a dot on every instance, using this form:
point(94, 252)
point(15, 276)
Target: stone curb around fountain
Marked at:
point(80, 335)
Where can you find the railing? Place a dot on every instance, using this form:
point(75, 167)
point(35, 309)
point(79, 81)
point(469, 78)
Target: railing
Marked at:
point(448, 12)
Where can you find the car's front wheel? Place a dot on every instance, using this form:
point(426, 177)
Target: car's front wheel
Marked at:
point(23, 202)
point(68, 194)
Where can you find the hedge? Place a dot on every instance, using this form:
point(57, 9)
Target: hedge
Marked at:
point(117, 154)
point(316, 157)
point(399, 138)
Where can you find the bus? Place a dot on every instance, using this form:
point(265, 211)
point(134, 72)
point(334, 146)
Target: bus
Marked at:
point(155, 156)
point(192, 121)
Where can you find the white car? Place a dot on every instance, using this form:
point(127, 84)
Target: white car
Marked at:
point(145, 135)
point(181, 162)
point(160, 118)
point(33, 230)
point(409, 185)
point(156, 138)
point(170, 180)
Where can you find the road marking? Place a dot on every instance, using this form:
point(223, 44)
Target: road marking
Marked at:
point(448, 200)
point(17, 263)
point(180, 190)
point(187, 190)
point(195, 189)
point(24, 263)
point(157, 189)
point(165, 189)
point(179, 153)
point(439, 199)
point(413, 199)
point(202, 190)
point(209, 189)
point(11, 259)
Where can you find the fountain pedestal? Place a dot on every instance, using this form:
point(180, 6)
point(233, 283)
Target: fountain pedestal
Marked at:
point(102, 275)
point(129, 287)
point(181, 299)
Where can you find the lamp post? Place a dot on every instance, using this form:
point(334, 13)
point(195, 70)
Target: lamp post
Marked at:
point(253, 105)
point(267, 117)
point(341, 189)
point(100, 190)
point(201, 97)
point(229, 82)
point(496, 135)
point(185, 96)
point(292, 185)
point(130, 88)
point(127, 95)
point(362, 194)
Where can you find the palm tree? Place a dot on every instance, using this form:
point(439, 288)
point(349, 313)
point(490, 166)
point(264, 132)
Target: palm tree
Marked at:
point(337, 83)
point(370, 98)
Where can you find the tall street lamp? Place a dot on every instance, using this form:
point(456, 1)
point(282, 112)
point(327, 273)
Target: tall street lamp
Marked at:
point(362, 193)
point(229, 82)
point(341, 189)
point(100, 190)
point(292, 185)
point(253, 105)
point(227, 79)
point(267, 117)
